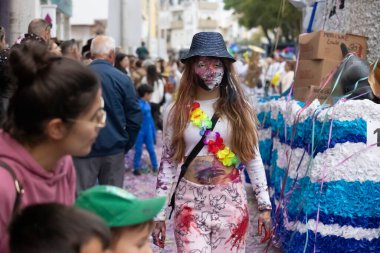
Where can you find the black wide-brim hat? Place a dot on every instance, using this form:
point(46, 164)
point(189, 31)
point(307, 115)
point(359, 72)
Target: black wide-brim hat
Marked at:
point(209, 44)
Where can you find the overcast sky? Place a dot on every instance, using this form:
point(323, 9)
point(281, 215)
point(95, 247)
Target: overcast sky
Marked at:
point(85, 11)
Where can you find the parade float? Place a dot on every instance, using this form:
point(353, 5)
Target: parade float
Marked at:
point(321, 147)
point(323, 165)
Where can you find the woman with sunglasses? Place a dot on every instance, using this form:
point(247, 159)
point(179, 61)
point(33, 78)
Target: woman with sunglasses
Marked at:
point(56, 111)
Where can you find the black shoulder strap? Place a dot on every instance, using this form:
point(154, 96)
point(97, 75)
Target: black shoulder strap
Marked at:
point(189, 159)
point(18, 186)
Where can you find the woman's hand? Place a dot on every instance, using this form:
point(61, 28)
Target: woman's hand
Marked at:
point(159, 233)
point(264, 222)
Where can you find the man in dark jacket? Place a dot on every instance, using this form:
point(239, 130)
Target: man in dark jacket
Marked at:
point(105, 163)
point(142, 52)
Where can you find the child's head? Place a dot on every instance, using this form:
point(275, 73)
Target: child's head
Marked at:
point(290, 66)
point(145, 91)
point(130, 219)
point(132, 239)
point(45, 228)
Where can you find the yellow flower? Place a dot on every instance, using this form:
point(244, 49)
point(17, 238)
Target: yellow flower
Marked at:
point(226, 156)
point(221, 154)
point(197, 117)
point(204, 117)
point(196, 114)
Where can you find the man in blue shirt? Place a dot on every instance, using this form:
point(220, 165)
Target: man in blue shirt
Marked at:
point(105, 163)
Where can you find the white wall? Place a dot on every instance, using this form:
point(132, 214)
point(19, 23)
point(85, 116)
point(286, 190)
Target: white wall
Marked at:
point(132, 25)
point(114, 20)
point(125, 23)
point(22, 12)
point(81, 33)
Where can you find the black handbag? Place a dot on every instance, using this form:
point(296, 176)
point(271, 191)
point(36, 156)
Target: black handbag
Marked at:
point(189, 159)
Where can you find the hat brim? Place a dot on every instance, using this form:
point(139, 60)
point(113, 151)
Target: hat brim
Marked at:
point(374, 82)
point(257, 49)
point(189, 56)
point(143, 210)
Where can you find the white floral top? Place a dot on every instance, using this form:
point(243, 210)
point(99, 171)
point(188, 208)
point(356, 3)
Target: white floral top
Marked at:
point(169, 170)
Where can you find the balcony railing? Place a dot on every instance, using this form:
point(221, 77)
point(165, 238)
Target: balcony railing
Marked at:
point(178, 24)
point(207, 24)
point(208, 6)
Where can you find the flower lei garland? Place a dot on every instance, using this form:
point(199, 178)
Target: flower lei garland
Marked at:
point(212, 139)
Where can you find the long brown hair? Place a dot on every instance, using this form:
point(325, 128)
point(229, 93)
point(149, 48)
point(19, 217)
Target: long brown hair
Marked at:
point(151, 75)
point(231, 104)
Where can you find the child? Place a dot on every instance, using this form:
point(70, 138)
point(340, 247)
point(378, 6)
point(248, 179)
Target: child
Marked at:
point(130, 219)
point(56, 228)
point(147, 132)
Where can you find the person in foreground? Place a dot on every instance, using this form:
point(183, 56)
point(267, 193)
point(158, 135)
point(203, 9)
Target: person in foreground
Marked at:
point(56, 228)
point(56, 111)
point(129, 218)
point(210, 204)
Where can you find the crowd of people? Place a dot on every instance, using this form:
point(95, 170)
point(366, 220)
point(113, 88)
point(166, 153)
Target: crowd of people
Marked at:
point(68, 118)
point(268, 76)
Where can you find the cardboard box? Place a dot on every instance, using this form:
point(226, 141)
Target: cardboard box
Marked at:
point(312, 92)
point(326, 45)
point(313, 72)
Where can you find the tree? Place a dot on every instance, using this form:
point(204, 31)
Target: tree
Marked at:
point(269, 14)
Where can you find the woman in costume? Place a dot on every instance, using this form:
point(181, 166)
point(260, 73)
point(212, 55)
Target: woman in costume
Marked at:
point(211, 130)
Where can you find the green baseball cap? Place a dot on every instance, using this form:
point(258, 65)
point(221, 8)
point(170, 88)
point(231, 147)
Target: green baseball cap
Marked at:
point(118, 207)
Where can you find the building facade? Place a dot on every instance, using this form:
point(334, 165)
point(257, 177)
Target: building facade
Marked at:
point(16, 15)
point(179, 20)
point(182, 19)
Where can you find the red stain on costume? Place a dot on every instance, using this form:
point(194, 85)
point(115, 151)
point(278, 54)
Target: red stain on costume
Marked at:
point(238, 233)
point(233, 175)
point(185, 219)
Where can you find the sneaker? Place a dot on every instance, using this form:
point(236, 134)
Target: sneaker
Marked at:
point(145, 170)
point(155, 172)
point(136, 173)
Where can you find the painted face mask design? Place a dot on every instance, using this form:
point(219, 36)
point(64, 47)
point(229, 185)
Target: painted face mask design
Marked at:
point(210, 71)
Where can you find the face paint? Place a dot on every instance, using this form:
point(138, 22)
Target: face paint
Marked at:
point(210, 71)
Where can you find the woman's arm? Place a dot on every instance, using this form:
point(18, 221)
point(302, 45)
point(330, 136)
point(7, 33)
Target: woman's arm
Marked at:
point(256, 172)
point(168, 167)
